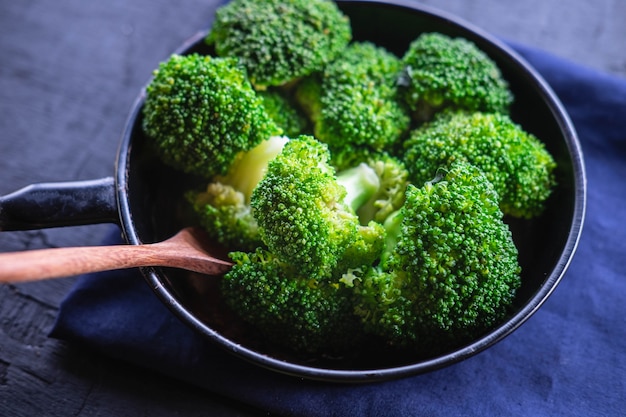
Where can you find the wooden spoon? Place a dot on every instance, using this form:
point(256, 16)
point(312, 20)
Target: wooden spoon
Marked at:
point(187, 249)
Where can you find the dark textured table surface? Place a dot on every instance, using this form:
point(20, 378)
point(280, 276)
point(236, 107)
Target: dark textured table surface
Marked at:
point(69, 72)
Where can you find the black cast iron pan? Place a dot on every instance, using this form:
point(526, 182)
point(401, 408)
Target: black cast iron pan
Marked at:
point(145, 198)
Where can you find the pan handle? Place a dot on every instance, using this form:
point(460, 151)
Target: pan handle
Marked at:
point(56, 204)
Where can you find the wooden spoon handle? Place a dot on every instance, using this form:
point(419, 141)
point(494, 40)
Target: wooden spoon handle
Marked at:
point(186, 250)
point(62, 262)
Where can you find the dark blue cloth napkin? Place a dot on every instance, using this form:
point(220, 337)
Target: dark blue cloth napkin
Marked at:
point(569, 359)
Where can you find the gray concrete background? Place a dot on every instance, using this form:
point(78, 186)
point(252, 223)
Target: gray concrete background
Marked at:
point(592, 33)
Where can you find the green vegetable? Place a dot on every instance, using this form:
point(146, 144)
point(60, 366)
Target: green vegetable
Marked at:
point(223, 208)
point(291, 309)
point(450, 269)
point(278, 41)
point(393, 179)
point(353, 103)
point(306, 212)
point(440, 71)
point(319, 157)
point(293, 291)
point(200, 112)
point(516, 162)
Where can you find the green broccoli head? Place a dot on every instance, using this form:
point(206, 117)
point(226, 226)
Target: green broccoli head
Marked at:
point(516, 162)
point(278, 41)
point(306, 212)
point(223, 212)
point(223, 208)
point(201, 112)
point(353, 103)
point(440, 71)
point(452, 269)
point(288, 308)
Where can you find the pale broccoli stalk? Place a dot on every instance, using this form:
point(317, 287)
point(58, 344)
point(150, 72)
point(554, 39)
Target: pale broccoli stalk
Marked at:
point(361, 184)
point(249, 168)
point(393, 180)
point(393, 177)
point(223, 208)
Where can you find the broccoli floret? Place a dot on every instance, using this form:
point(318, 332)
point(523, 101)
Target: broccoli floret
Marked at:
point(222, 211)
point(393, 180)
point(441, 71)
point(280, 41)
point(353, 103)
point(223, 208)
point(450, 271)
point(289, 308)
point(201, 112)
point(516, 162)
point(392, 177)
point(280, 106)
point(292, 289)
point(306, 212)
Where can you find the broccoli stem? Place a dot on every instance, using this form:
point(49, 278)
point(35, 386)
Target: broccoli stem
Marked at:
point(360, 182)
point(249, 167)
point(393, 229)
